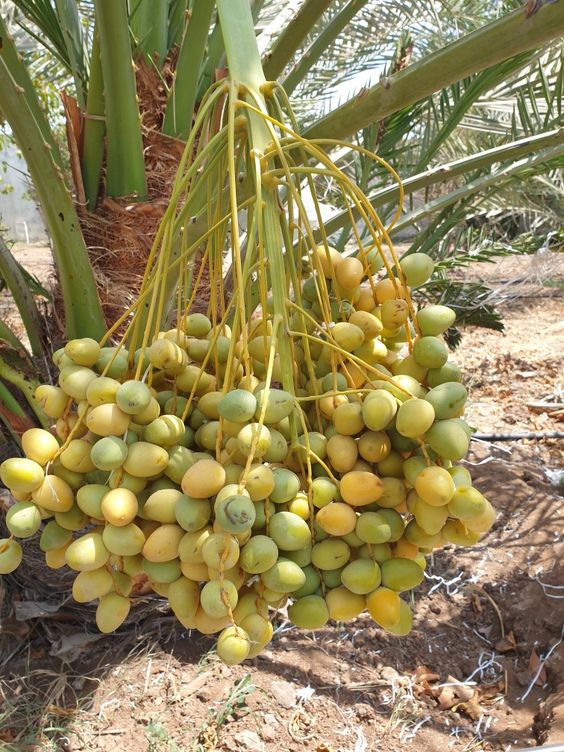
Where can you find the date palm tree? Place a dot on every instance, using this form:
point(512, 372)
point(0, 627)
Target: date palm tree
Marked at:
point(464, 103)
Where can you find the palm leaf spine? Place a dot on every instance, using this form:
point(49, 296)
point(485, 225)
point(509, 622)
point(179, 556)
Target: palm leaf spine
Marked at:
point(182, 97)
point(445, 172)
point(67, 11)
point(496, 178)
point(19, 73)
point(10, 272)
point(94, 128)
point(149, 25)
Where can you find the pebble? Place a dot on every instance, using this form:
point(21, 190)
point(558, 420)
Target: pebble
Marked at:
point(389, 673)
point(249, 740)
point(204, 694)
point(189, 686)
point(363, 711)
point(268, 733)
point(284, 693)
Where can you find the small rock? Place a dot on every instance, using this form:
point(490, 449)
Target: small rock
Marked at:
point(249, 740)
point(499, 725)
point(204, 694)
point(523, 678)
point(270, 719)
point(363, 711)
point(284, 693)
point(189, 686)
point(268, 733)
point(389, 673)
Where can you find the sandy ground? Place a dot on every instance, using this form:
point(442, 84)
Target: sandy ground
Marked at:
point(488, 615)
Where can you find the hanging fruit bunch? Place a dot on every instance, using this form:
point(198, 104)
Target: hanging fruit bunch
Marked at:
point(292, 447)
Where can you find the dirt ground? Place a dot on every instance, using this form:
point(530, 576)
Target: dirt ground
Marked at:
point(490, 616)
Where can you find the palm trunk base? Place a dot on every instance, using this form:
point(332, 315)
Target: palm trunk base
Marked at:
point(120, 233)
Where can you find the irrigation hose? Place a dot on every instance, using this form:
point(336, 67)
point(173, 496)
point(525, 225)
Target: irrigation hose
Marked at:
point(529, 435)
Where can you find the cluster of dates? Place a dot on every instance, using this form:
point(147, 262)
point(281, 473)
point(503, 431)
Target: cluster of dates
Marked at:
point(184, 466)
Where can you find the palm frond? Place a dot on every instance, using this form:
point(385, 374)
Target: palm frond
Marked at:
point(42, 14)
point(360, 54)
point(493, 43)
point(58, 28)
point(321, 44)
point(291, 36)
point(176, 19)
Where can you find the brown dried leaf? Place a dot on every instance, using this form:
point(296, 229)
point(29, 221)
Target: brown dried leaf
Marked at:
point(476, 604)
point(485, 631)
point(424, 690)
point(463, 691)
point(470, 708)
point(488, 694)
point(424, 675)
point(196, 683)
point(64, 712)
point(447, 698)
point(74, 127)
point(19, 629)
point(18, 423)
point(534, 665)
point(455, 694)
point(506, 643)
point(523, 678)
point(148, 208)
